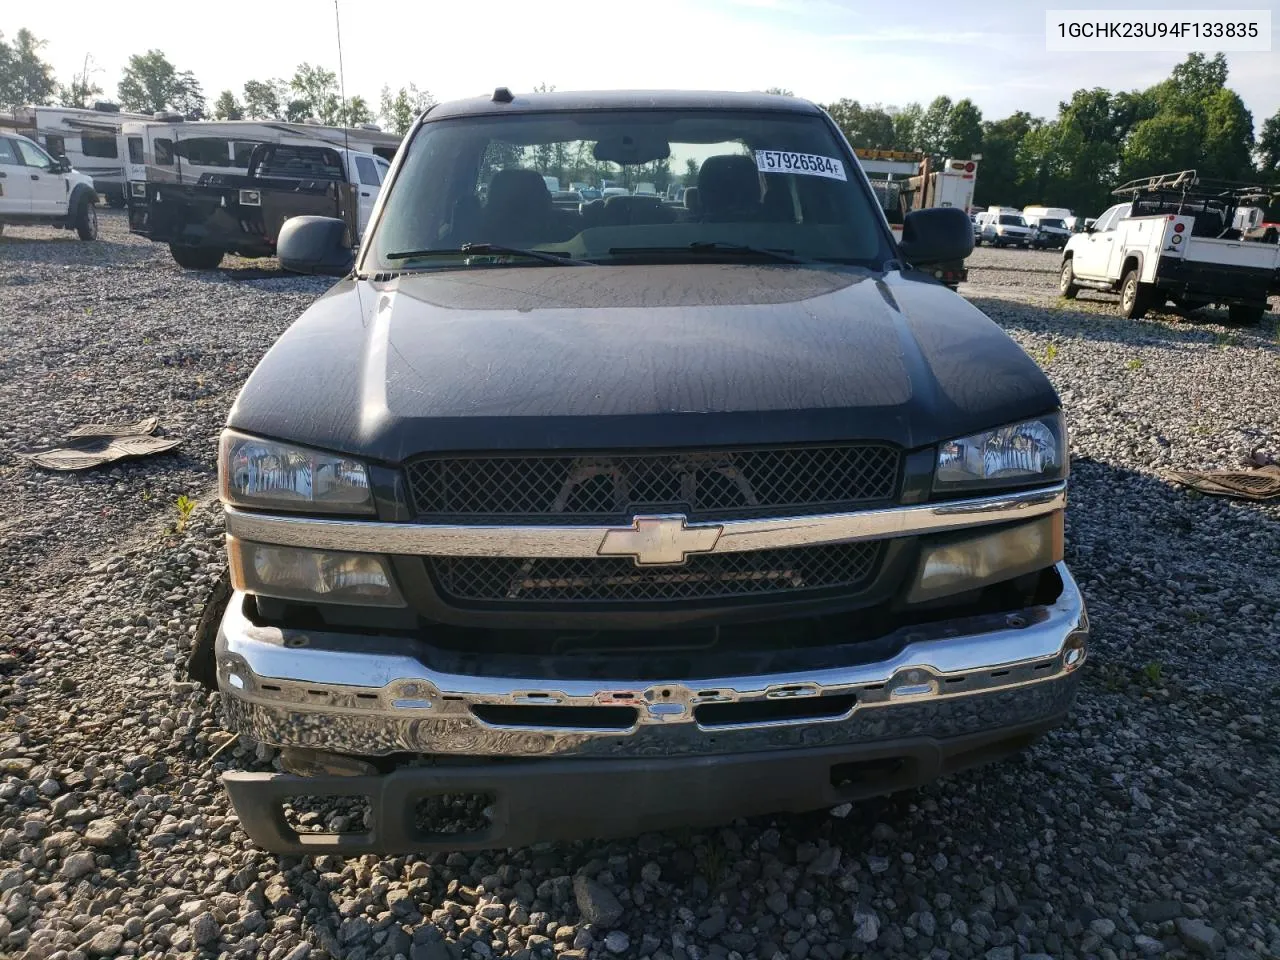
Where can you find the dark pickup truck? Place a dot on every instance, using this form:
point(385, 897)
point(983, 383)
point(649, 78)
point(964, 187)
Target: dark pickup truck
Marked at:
point(242, 213)
point(549, 523)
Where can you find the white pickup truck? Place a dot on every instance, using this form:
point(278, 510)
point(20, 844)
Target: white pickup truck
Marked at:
point(1173, 239)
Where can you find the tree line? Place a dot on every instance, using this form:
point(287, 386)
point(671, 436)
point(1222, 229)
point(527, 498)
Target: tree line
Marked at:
point(1190, 120)
point(150, 83)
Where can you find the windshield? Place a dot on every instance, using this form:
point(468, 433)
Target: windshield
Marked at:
point(1008, 220)
point(1053, 223)
point(769, 181)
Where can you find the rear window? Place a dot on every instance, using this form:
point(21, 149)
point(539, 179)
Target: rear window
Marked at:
point(1009, 220)
point(775, 181)
point(135, 150)
point(103, 147)
point(320, 163)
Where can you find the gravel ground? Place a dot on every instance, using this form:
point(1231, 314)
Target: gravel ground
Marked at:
point(1148, 825)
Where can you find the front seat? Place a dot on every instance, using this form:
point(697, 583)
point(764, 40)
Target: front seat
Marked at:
point(518, 209)
point(729, 188)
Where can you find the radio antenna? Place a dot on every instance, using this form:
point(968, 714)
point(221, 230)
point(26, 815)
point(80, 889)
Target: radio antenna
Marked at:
point(342, 88)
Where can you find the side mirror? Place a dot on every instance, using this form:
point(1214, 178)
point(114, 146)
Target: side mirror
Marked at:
point(61, 165)
point(315, 245)
point(936, 235)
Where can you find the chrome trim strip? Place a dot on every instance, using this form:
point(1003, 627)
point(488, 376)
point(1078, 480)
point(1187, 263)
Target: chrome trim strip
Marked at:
point(334, 692)
point(496, 540)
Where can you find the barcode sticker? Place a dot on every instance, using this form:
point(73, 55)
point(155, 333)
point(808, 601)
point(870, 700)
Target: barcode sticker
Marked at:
point(782, 161)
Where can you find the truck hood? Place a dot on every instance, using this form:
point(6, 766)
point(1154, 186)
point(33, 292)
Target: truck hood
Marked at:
point(605, 357)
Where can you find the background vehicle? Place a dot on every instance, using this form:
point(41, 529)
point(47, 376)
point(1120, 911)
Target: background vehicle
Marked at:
point(553, 184)
point(1000, 228)
point(1172, 238)
point(36, 188)
point(88, 138)
point(620, 452)
point(902, 182)
point(645, 190)
point(1047, 232)
point(1261, 223)
point(242, 213)
point(173, 151)
point(568, 199)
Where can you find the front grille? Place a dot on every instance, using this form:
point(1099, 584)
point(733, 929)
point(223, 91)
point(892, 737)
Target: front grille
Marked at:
point(612, 488)
point(708, 576)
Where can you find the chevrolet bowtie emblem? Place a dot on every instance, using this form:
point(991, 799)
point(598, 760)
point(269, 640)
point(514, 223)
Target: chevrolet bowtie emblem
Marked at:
point(660, 540)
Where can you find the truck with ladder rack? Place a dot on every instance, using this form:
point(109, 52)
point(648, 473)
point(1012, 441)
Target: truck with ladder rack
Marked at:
point(905, 180)
point(1173, 237)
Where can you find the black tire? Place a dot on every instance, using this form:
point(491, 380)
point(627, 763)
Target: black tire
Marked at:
point(1066, 280)
point(1244, 316)
point(86, 221)
point(196, 258)
point(1134, 296)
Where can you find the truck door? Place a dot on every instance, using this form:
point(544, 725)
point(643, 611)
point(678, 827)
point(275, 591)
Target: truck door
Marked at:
point(1091, 259)
point(15, 187)
point(49, 190)
point(368, 183)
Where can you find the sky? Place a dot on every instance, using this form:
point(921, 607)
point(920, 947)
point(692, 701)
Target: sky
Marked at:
point(887, 52)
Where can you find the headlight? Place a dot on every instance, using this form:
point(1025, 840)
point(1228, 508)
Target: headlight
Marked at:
point(1021, 453)
point(266, 474)
point(313, 576)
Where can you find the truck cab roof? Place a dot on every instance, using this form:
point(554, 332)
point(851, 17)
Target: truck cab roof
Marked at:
point(621, 100)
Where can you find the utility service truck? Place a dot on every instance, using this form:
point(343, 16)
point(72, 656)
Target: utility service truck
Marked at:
point(1173, 238)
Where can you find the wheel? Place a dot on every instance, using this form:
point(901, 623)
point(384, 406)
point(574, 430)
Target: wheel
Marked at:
point(196, 258)
point(1067, 281)
point(86, 222)
point(1134, 298)
point(1245, 316)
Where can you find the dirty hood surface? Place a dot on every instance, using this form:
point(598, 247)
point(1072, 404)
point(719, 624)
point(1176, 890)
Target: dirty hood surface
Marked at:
point(609, 357)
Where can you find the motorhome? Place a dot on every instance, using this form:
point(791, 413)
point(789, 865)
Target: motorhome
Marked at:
point(169, 150)
point(87, 137)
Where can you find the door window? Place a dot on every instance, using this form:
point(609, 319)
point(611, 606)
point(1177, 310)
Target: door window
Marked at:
point(8, 155)
point(33, 156)
point(1109, 219)
point(164, 151)
point(368, 172)
point(135, 150)
point(383, 168)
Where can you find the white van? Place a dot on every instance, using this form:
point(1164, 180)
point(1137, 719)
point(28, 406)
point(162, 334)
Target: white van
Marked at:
point(1003, 227)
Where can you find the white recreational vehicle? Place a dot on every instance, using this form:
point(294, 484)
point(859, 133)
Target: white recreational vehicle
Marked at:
point(88, 138)
point(166, 149)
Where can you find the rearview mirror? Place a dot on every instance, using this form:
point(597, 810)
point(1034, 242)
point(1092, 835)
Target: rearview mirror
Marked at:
point(627, 149)
point(936, 235)
point(315, 245)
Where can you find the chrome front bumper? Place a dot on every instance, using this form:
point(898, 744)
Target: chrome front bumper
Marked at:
point(372, 696)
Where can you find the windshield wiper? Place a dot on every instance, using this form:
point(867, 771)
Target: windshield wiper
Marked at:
point(469, 249)
point(716, 246)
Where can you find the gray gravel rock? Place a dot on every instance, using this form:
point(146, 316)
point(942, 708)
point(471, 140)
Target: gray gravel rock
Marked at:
point(595, 902)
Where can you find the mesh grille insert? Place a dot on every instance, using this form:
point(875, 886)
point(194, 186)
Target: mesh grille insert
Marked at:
point(618, 580)
point(605, 487)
